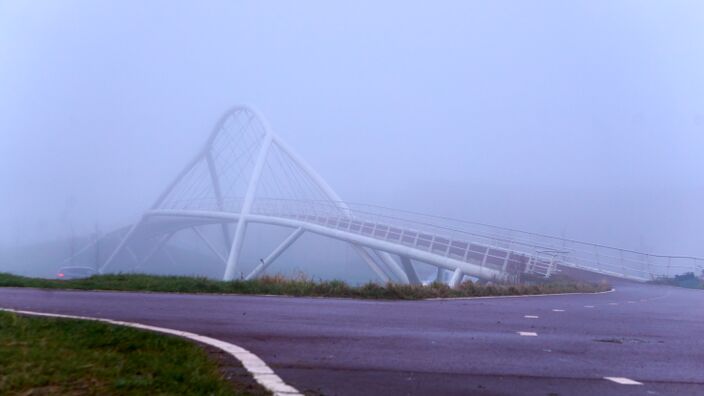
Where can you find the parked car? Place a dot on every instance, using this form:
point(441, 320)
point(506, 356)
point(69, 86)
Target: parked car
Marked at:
point(75, 272)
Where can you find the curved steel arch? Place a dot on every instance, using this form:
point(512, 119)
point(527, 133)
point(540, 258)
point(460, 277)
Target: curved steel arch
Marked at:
point(268, 140)
point(217, 129)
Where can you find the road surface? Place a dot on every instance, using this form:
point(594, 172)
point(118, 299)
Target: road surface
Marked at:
point(549, 345)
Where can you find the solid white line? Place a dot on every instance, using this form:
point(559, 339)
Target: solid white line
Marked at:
point(558, 310)
point(264, 375)
point(527, 333)
point(530, 316)
point(623, 381)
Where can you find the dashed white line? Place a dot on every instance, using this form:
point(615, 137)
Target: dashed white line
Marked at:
point(623, 380)
point(613, 303)
point(588, 306)
point(528, 333)
point(530, 316)
point(262, 373)
point(631, 302)
point(558, 310)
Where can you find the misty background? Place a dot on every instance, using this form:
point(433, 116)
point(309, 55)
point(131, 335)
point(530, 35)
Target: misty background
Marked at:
point(576, 119)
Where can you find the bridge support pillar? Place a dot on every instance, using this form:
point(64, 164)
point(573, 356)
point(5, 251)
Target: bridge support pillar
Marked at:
point(235, 248)
point(440, 275)
point(241, 228)
point(371, 263)
point(456, 278)
point(409, 270)
point(122, 245)
point(160, 244)
point(210, 245)
point(393, 266)
point(259, 269)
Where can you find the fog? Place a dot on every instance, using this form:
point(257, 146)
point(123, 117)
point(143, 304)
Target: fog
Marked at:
point(578, 119)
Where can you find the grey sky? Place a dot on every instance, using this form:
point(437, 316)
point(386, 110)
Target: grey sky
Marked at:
point(577, 118)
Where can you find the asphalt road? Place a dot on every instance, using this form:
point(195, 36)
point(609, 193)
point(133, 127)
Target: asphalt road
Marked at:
point(651, 334)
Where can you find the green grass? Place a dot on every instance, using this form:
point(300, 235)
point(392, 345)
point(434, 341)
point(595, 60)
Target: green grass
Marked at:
point(301, 286)
point(43, 356)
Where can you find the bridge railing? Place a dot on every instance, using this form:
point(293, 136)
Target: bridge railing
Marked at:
point(454, 238)
point(408, 233)
point(479, 243)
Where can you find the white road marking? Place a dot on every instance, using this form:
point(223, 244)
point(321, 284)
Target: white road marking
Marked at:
point(527, 333)
point(530, 316)
point(588, 306)
point(613, 303)
point(631, 302)
point(623, 381)
point(262, 373)
point(558, 310)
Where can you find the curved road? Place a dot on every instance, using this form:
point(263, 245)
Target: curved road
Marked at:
point(653, 335)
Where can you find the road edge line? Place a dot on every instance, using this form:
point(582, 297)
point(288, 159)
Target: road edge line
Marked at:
point(254, 365)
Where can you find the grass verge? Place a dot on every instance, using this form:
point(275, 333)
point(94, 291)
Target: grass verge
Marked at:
point(47, 356)
point(301, 286)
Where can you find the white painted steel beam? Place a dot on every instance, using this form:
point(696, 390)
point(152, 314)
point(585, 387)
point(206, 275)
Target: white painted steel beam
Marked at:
point(164, 239)
point(393, 266)
point(169, 256)
point(456, 278)
point(383, 266)
point(313, 174)
point(210, 245)
point(241, 227)
point(133, 255)
point(120, 246)
point(440, 275)
point(409, 270)
point(215, 182)
point(266, 262)
point(372, 263)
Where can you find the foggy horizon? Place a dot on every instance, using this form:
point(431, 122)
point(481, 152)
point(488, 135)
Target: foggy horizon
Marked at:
point(582, 121)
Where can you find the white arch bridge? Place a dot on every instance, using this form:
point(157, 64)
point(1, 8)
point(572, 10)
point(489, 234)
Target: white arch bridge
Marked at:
point(245, 174)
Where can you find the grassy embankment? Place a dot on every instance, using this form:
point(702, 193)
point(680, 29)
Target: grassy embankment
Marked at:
point(279, 285)
point(46, 356)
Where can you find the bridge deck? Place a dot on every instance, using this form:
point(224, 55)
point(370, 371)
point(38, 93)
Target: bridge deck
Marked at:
point(507, 261)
